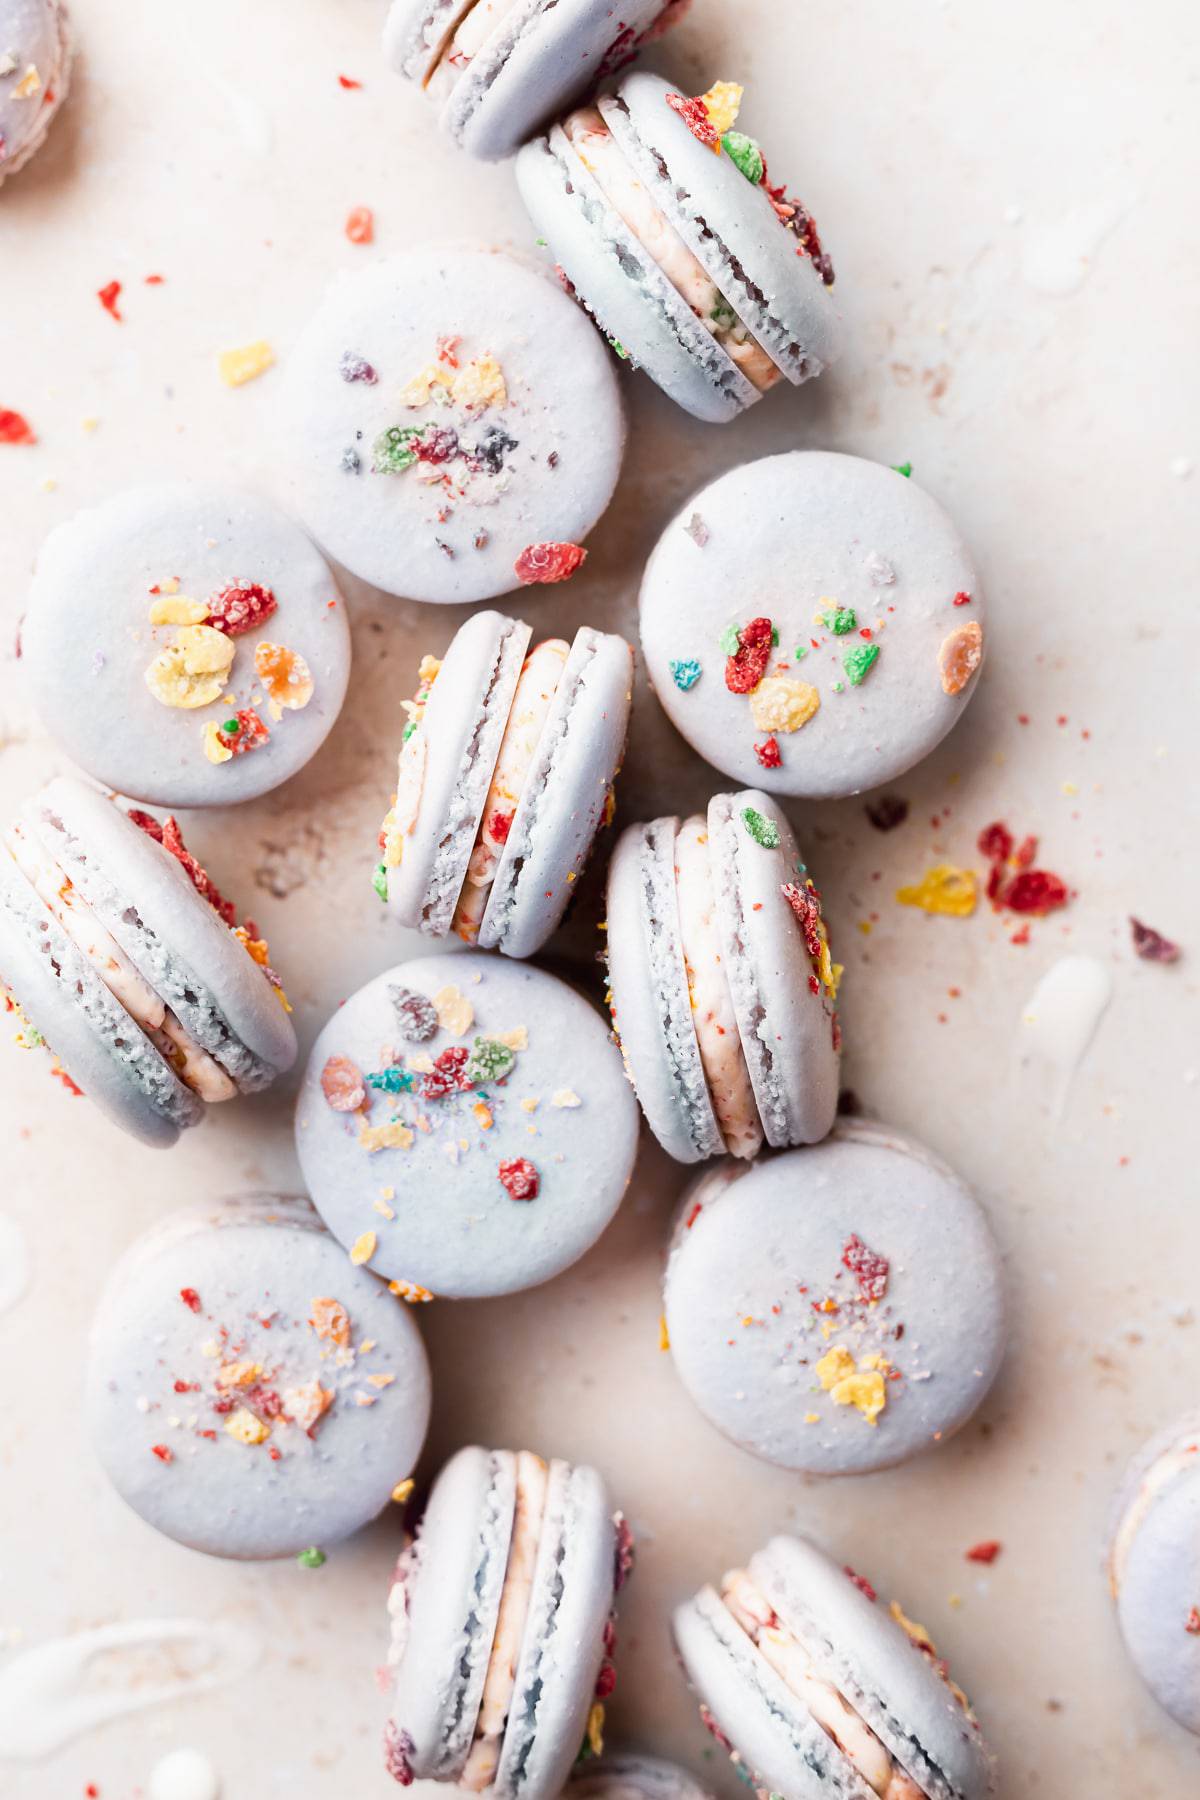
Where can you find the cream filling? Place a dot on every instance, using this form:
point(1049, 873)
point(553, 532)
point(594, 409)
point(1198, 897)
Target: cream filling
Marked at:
point(1184, 1457)
point(515, 1596)
point(193, 1065)
point(721, 1053)
point(783, 1650)
point(535, 691)
point(602, 156)
point(462, 43)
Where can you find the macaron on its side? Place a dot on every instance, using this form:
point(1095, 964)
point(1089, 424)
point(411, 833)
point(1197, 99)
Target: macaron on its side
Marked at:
point(1154, 1569)
point(414, 33)
point(631, 1775)
point(565, 795)
point(634, 304)
point(36, 52)
point(651, 1007)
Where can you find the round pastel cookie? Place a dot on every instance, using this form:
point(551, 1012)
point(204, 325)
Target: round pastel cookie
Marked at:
point(812, 622)
point(501, 1619)
point(498, 69)
point(696, 267)
point(464, 1125)
point(250, 1393)
point(1154, 1568)
point(818, 1690)
point(836, 1309)
point(506, 774)
point(120, 956)
point(454, 426)
point(721, 982)
point(211, 660)
point(628, 1775)
point(36, 47)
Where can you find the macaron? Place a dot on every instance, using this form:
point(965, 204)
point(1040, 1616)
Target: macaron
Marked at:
point(36, 47)
point(211, 659)
point(498, 69)
point(502, 1625)
point(693, 263)
point(721, 983)
point(453, 427)
point(464, 1126)
point(817, 1689)
point(627, 1775)
point(119, 954)
point(506, 773)
point(862, 644)
point(250, 1393)
point(836, 1309)
point(1154, 1569)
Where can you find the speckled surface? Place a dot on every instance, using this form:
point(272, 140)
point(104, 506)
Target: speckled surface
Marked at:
point(1018, 298)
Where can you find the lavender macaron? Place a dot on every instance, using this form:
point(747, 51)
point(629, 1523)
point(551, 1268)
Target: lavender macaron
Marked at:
point(1154, 1569)
point(36, 48)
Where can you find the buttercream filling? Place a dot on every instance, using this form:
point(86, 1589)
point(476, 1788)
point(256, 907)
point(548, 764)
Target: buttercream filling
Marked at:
point(535, 691)
point(783, 1650)
point(721, 1053)
point(603, 157)
point(461, 44)
point(515, 1596)
point(190, 1062)
point(1183, 1458)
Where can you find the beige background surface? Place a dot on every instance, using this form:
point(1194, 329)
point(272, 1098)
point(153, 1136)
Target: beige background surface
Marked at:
point(1006, 190)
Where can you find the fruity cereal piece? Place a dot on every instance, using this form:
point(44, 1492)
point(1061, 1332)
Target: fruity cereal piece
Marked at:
point(193, 670)
point(241, 732)
point(781, 703)
point(943, 889)
point(360, 225)
point(15, 428)
point(242, 606)
point(959, 656)
point(746, 664)
point(284, 674)
point(520, 1179)
point(343, 1085)
point(542, 564)
point(1151, 945)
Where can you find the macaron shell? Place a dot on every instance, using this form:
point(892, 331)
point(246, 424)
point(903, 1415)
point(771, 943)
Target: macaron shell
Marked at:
point(229, 1498)
point(412, 31)
point(788, 1032)
point(893, 1685)
point(180, 940)
point(801, 532)
point(86, 1028)
point(627, 1775)
point(731, 226)
point(561, 411)
point(462, 728)
point(798, 1212)
point(87, 666)
point(1160, 1583)
point(565, 795)
point(453, 1598)
point(457, 1231)
point(38, 34)
point(622, 287)
point(649, 989)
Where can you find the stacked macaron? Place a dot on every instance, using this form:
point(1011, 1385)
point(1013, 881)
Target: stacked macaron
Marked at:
point(1154, 1569)
point(36, 48)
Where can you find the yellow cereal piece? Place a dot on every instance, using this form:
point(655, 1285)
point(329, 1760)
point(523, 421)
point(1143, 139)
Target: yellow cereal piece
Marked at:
point(862, 1386)
point(247, 363)
point(363, 1248)
point(395, 1135)
point(410, 1292)
point(29, 84)
point(246, 1428)
point(419, 391)
point(781, 703)
point(215, 749)
point(917, 1633)
point(565, 1097)
point(530, 1105)
point(384, 1210)
point(722, 103)
point(943, 889)
point(177, 609)
point(514, 1040)
point(307, 1403)
point(455, 1012)
point(595, 1730)
point(381, 1380)
point(285, 676)
point(238, 1374)
point(361, 1399)
point(812, 1418)
point(479, 384)
point(664, 1336)
point(427, 674)
point(191, 672)
point(403, 1491)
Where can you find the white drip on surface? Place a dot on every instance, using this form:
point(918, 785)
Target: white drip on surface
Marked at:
point(1058, 1023)
point(184, 1775)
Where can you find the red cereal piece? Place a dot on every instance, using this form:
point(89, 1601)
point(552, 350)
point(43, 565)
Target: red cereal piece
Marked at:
point(995, 842)
point(1192, 1626)
point(768, 753)
point(190, 1298)
point(447, 349)
point(360, 225)
point(1025, 852)
point(520, 1178)
point(162, 1452)
point(348, 81)
point(987, 1552)
point(1035, 891)
point(343, 1085)
point(606, 1681)
point(806, 904)
point(250, 733)
point(695, 116)
point(15, 428)
point(242, 606)
point(501, 826)
point(862, 1584)
point(1151, 945)
point(869, 1268)
point(438, 444)
point(60, 1074)
point(746, 668)
point(539, 564)
point(626, 1553)
point(398, 1747)
point(447, 1075)
point(154, 280)
point(961, 599)
point(108, 296)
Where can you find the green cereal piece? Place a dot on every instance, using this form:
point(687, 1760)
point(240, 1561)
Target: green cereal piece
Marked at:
point(859, 662)
point(903, 468)
point(774, 637)
point(763, 831)
point(490, 1060)
point(745, 155)
point(801, 652)
point(379, 880)
point(311, 1559)
point(392, 451)
point(620, 349)
point(391, 1081)
point(730, 641)
point(722, 313)
point(840, 620)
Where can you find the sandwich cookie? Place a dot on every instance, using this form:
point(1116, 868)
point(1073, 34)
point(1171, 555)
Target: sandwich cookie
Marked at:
point(838, 1309)
point(454, 428)
point(812, 622)
point(502, 1626)
point(816, 1689)
point(1154, 1569)
point(629, 1776)
point(211, 659)
point(506, 774)
point(119, 953)
point(498, 69)
point(251, 1393)
point(464, 1127)
point(693, 263)
point(36, 47)
point(721, 983)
